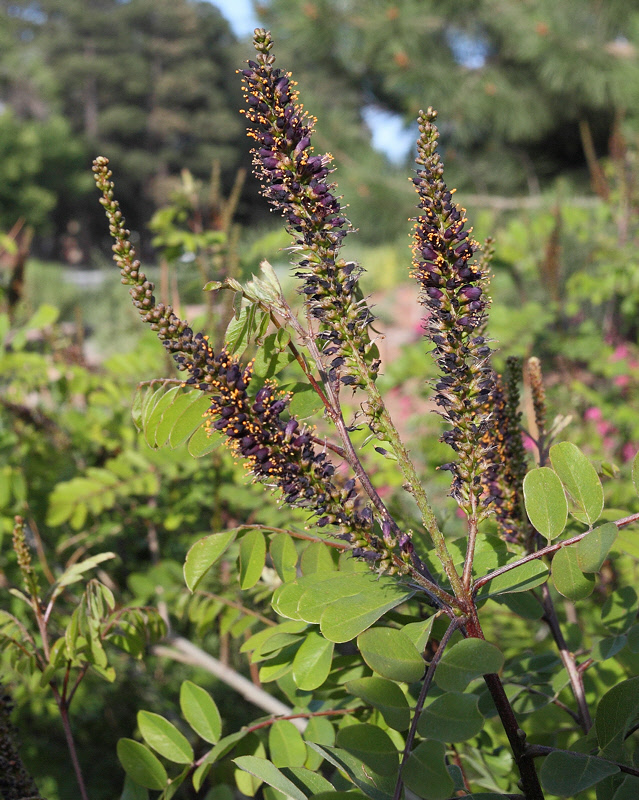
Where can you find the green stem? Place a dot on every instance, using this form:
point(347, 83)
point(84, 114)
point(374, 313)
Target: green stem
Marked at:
point(428, 679)
point(413, 484)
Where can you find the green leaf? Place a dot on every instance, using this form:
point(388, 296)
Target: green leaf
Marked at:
point(200, 711)
point(348, 617)
point(619, 611)
point(141, 765)
point(132, 791)
point(629, 789)
point(616, 711)
point(286, 598)
point(465, 661)
point(310, 782)
point(284, 556)
point(419, 632)
point(270, 774)
point(312, 662)
point(566, 773)
point(453, 717)
point(425, 772)
point(343, 603)
point(580, 480)
point(203, 442)
point(483, 796)
point(375, 786)
point(569, 580)
point(138, 405)
point(635, 471)
point(519, 579)
point(546, 503)
point(391, 653)
point(191, 418)
point(272, 357)
point(522, 604)
point(172, 414)
point(252, 557)
point(633, 639)
point(608, 647)
point(152, 421)
point(164, 738)
point(261, 642)
point(317, 557)
point(371, 745)
point(305, 402)
point(75, 572)
point(285, 744)
point(384, 695)
point(203, 554)
point(593, 548)
point(44, 316)
point(280, 664)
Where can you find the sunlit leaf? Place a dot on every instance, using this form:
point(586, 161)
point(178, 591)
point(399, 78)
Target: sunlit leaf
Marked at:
point(593, 548)
point(391, 654)
point(200, 711)
point(164, 738)
point(141, 765)
point(203, 554)
point(266, 771)
point(568, 578)
point(285, 744)
point(546, 503)
point(580, 480)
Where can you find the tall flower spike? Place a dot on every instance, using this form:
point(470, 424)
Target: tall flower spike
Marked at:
point(453, 291)
point(277, 451)
point(295, 182)
point(504, 478)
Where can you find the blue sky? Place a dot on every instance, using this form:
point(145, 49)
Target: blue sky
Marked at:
point(390, 136)
point(239, 13)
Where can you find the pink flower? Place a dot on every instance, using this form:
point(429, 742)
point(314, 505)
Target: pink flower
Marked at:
point(604, 428)
point(528, 442)
point(592, 414)
point(622, 381)
point(621, 351)
point(628, 451)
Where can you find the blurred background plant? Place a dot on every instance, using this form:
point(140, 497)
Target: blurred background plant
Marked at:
point(539, 132)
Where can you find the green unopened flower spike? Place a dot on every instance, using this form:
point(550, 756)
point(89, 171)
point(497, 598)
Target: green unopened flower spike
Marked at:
point(295, 181)
point(21, 549)
point(503, 479)
point(453, 291)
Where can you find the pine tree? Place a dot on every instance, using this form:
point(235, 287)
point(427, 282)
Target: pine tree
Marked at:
point(524, 89)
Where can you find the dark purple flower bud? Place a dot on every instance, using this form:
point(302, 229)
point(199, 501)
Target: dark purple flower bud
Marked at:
point(291, 426)
point(435, 294)
point(262, 394)
point(303, 143)
point(277, 407)
point(471, 292)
